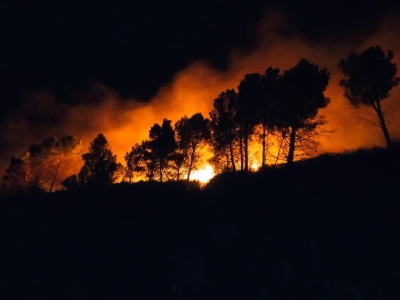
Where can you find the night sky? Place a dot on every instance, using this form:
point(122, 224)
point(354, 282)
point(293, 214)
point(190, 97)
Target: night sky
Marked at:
point(60, 60)
point(136, 47)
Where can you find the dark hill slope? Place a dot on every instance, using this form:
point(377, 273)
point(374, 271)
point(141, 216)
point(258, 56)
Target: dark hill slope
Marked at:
point(333, 219)
point(326, 228)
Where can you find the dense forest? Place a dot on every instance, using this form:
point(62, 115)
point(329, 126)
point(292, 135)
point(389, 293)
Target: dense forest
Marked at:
point(299, 226)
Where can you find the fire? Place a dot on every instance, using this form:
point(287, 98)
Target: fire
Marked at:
point(255, 166)
point(204, 174)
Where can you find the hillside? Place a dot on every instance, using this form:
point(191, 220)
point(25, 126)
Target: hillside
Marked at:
point(325, 228)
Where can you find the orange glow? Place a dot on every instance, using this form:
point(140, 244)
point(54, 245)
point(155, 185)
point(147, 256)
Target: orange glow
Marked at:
point(203, 174)
point(255, 166)
point(125, 122)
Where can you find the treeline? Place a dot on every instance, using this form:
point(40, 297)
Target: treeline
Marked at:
point(279, 106)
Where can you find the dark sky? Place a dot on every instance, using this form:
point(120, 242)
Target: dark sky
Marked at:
point(136, 47)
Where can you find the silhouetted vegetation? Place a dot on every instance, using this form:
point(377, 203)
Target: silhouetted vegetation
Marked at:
point(192, 133)
point(301, 96)
point(322, 228)
point(371, 75)
point(224, 131)
point(99, 168)
point(39, 167)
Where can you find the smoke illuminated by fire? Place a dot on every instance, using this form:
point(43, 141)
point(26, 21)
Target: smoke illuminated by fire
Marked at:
point(193, 89)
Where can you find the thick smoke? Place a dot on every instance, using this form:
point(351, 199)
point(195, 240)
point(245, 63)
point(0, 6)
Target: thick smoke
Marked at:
point(125, 122)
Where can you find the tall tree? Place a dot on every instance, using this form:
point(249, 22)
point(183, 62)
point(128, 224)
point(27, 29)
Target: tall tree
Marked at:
point(161, 145)
point(150, 158)
point(224, 125)
point(135, 162)
point(67, 148)
point(250, 95)
point(192, 133)
point(301, 93)
point(370, 77)
point(100, 164)
point(267, 107)
point(38, 162)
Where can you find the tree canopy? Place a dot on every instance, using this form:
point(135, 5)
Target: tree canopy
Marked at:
point(100, 164)
point(40, 165)
point(191, 133)
point(161, 145)
point(224, 127)
point(370, 76)
point(301, 96)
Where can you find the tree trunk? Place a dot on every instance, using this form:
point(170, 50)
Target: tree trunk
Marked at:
point(280, 147)
point(246, 147)
point(241, 147)
point(378, 110)
point(55, 175)
point(191, 164)
point(178, 175)
point(228, 161)
point(279, 151)
point(263, 159)
point(292, 142)
point(36, 180)
point(232, 157)
point(161, 179)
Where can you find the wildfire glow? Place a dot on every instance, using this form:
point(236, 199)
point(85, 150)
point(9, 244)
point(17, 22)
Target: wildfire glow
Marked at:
point(125, 122)
point(255, 166)
point(203, 175)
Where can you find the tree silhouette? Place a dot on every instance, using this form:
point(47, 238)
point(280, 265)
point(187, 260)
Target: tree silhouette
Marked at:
point(161, 146)
point(135, 162)
point(192, 133)
point(267, 106)
point(370, 77)
point(37, 160)
point(71, 182)
point(39, 167)
point(16, 174)
point(100, 164)
point(68, 147)
point(149, 156)
point(301, 93)
point(250, 95)
point(178, 158)
point(224, 126)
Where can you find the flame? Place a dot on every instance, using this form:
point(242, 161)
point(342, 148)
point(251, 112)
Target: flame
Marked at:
point(204, 174)
point(255, 166)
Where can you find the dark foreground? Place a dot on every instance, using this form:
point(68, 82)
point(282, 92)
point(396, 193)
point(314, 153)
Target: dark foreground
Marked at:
point(325, 229)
